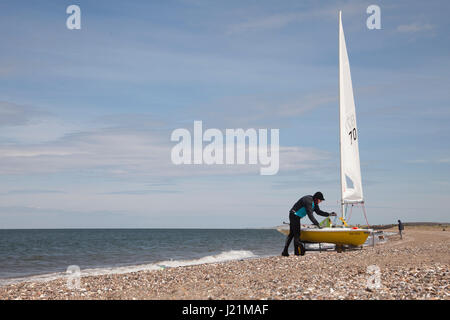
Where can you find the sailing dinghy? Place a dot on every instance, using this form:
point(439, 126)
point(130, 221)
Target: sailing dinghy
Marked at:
point(351, 184)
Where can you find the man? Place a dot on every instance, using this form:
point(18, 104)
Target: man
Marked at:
point(400, 228)
point(305, 206)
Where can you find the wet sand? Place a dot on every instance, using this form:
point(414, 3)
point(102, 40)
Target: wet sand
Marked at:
point(416, 267)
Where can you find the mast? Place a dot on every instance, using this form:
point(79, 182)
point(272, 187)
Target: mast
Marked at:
point(340, 101)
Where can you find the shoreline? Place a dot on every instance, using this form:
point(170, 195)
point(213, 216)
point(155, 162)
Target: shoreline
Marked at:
point(156, 265)
point(225, 256)
point(416, 267)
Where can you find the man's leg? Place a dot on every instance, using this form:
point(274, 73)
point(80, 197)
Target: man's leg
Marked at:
point(289, 237)
point(287, 243)
point(296, 234)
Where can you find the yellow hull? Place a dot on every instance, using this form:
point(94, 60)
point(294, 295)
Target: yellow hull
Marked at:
point(341, 236)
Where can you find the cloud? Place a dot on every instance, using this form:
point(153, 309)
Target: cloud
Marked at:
point(128, 153)
point(429, 161)
point(415, 27)
point(32, 191)
point(20, 124)
point(260, 111)
point(18, 216)
point(141, 192)
point(417, 161)
point(269, 22)
point(280, 20)
point(12, 114)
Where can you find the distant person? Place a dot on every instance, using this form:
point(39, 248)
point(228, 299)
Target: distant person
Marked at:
point(305, 206)
point(400, 228)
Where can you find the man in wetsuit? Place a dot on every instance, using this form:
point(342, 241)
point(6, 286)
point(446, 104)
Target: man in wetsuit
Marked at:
point(305, 206)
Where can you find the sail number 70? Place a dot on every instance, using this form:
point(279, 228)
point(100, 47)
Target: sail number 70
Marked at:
point(352, 135)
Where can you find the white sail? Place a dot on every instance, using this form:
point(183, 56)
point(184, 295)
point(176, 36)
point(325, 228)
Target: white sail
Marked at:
point(351, 185)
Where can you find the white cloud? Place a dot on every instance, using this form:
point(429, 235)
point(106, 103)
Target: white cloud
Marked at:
point(12, 114)
point(429, 161)
point(260, 111)
point(268, 22)
point(128, 153)
point(280, 20)
point(415, 27)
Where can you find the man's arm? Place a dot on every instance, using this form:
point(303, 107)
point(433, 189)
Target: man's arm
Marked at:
point(320, 212)
point(309, 212)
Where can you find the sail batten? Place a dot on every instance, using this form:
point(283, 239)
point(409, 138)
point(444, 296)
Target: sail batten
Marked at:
point(351, 183)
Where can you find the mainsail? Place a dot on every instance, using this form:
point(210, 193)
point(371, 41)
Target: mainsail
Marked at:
point(351, 185)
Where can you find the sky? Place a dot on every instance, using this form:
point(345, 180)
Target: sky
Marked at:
point(86, 115)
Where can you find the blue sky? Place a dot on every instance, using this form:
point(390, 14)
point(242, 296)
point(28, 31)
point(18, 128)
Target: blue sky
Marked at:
point(86, 115)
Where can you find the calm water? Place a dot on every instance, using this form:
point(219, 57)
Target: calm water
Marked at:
point(25, 253)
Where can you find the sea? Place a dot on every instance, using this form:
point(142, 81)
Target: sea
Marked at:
point(33, 255)
point(43, 255)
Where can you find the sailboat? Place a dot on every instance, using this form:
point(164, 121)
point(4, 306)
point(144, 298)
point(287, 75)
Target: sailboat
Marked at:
point(351, 183)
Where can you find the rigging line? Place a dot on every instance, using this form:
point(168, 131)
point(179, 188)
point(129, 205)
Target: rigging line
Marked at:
point(365, 216)
point(350, 215)
point(346, 210)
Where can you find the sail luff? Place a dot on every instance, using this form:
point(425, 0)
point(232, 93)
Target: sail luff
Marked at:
point(340, 125)
point(351, 184)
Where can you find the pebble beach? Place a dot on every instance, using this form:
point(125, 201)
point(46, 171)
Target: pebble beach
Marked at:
point(415, 267)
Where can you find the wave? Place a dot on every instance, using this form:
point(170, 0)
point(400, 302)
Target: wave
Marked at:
point(221, 257)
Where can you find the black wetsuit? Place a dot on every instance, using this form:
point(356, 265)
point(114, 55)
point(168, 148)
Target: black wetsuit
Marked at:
point(400, 228)
point(305, 202)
